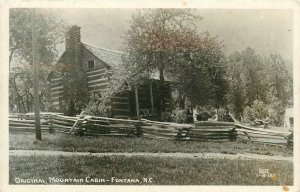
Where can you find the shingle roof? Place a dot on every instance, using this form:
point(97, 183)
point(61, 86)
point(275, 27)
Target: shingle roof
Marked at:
point(111, 57)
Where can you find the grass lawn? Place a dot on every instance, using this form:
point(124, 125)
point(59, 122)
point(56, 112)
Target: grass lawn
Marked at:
point(63, 142)
point(161, 171)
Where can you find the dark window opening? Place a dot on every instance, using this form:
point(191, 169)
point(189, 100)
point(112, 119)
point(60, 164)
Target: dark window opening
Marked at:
point(91, 64)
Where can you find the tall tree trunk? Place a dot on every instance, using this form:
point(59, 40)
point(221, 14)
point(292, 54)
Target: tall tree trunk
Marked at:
point(182, 102)
point(162, 87)
point(20, 101)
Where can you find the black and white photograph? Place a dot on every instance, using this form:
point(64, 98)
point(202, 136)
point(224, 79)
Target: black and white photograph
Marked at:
point(153, 96)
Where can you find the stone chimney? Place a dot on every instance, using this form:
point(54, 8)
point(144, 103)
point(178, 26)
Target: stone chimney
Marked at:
point(73, 44)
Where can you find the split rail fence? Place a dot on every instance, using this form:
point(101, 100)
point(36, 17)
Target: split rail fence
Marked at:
point(102, 126)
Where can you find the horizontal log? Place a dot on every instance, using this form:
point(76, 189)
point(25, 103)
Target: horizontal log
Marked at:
point(64, 118)
point(262, 130)
point(266, 138)
point(213, 130)
point(206, 139)
point(56, 84)
point(110, 129)
point(260, 133)
point(169, 129)
point(208, 136)
point(125, 103)
point(159, 133)
point(213, 123)
point(25, 124)
point(214, 127)
point(25, 121)
point(95, 72)
point(211, 134)
point(116, 120)
point(26, 129)
point(118, 109)
point(56, 94)
point(166, 124)
point(32, 127)
point(99, 134)
point(60, 122)
point(55, 126)
point(99, 126)
point(32, 120)
point(98, 86)
point(153, 136)
point(119, 99)
point(261, 136)
point(97, 81)
point(127, 126)
point(97, 121)
point(178, 126)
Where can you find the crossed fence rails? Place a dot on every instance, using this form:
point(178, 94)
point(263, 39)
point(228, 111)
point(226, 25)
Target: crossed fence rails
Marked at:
point(103, 126)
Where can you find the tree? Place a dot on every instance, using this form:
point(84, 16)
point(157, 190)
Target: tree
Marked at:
point(237, 80)
point(200, 74)
point(280, 88)
point(153, 42)
point(247, 79)
point(49, 30)
point(255, 73)
point(166, 41)
point(261, 79)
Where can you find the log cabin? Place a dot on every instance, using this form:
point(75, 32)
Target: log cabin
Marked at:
point(88, 68)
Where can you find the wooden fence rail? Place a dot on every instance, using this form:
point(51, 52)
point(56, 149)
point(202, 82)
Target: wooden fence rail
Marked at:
point(103, 126)
point(264, 135)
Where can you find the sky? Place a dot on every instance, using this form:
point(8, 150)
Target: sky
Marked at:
point(267, 31)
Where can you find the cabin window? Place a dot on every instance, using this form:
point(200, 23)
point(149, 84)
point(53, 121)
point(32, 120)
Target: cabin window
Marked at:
point(91, 64)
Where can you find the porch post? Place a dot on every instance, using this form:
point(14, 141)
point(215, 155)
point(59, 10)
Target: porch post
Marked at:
point(137, 101)
point(151, 95)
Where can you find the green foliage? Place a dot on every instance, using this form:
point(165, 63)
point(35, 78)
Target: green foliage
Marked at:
point(257, 111)
point(165, 42)
point(276, 109)
point(253, 77)
point(183, 116)
point(97, 108)
point(166, 117)
point(49, 35)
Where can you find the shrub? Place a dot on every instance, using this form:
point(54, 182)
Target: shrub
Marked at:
point(257, 111)
point(97, 108)
point(277, 111)
point(183, 116)
point(166, 116)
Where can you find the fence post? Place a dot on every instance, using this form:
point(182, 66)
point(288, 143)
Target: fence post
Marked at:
point(290, 140)
point(51, 127)
point(138, 128)
point(233, 134)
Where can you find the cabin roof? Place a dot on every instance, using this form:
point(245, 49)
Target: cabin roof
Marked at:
point(111, 57)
